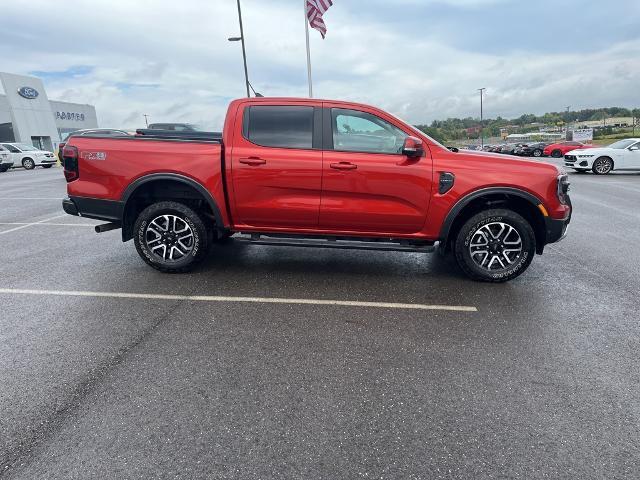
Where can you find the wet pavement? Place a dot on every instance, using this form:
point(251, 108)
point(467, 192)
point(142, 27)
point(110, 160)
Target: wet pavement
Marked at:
point(543, 380)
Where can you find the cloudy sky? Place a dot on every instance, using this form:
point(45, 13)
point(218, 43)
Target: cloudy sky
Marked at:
point(420, 59)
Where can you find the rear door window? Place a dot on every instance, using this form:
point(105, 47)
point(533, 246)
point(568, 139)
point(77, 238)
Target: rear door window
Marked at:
point(284, 126)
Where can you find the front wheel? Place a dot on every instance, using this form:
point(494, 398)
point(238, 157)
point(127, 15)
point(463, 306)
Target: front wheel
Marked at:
point(28, 164)
point(47, 166)
point(171, 237)
point(537, 152)
point(602, 166)
point(556, 154)
point(495, 246)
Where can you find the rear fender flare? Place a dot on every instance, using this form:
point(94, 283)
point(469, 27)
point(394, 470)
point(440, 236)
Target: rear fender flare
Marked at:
point(135, 185)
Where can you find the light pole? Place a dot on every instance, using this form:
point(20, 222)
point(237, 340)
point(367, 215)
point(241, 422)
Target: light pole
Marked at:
point(481, 90)
point(244, 52)
point(146, 119)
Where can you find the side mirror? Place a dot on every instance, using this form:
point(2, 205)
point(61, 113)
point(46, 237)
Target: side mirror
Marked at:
point(412, 147)
point(634, 148)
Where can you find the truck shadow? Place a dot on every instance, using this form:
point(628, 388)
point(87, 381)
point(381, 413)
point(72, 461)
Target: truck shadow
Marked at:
point(254, 260)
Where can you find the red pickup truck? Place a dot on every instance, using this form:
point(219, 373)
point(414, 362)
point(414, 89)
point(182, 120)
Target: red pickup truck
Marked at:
point(316, 173)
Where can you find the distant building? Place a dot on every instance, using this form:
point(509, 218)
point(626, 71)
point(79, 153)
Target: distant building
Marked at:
point(28, 116)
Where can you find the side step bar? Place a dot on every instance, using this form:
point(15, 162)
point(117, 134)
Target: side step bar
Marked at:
point(334, 242)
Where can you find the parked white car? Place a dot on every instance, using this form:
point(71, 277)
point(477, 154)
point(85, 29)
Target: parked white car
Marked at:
point(621, 155)
point(29, 156)
point(5, 159)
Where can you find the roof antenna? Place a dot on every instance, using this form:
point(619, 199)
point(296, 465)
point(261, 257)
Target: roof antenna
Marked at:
point(259, 95)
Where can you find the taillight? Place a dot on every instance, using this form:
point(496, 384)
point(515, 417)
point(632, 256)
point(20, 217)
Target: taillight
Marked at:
point(70, 163)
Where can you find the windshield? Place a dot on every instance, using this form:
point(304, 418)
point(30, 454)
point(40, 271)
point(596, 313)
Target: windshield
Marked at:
point(622, 144)
point(26, 148)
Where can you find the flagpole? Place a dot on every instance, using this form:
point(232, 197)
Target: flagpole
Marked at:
point(306, 28)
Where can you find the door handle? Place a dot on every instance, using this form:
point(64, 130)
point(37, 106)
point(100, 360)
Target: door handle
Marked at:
point(344, 166)
point(253, 161)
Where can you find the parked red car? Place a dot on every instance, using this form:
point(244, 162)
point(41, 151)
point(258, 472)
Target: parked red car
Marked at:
point(321, 174)
point(557, 150)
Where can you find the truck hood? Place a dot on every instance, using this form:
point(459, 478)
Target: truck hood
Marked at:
point(501, 158)
point(592, 151)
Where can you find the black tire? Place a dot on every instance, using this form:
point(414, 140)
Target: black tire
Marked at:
point(47, 166)
point(537, 152)
point(197, 245)
point(28, 163)
point(602, 166)
point(4, 169)
point(492, 219)
point(556, 154)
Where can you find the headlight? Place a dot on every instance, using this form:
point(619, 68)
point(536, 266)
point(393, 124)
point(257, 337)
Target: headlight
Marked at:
point(563, 188)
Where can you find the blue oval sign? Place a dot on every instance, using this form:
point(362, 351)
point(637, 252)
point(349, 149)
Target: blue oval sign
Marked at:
point(28, 92)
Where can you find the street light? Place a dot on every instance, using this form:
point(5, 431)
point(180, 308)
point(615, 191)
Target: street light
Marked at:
point(481, 90)
point(244, 53)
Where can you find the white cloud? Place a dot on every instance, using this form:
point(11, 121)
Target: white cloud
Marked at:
point(173, 61)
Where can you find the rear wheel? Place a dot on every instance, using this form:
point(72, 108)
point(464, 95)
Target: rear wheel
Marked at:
point(602, 166)
point(495, 246)
point(28, 163)
point(4, 168)
point(171, 237)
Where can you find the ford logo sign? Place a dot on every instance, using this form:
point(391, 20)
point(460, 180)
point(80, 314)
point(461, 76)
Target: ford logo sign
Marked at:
point(28, 92)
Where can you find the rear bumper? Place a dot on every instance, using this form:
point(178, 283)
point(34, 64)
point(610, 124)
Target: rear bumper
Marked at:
point(96, 208)
point(69, 207)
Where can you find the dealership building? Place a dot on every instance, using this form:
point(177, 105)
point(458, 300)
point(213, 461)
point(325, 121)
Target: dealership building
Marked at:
point(28, 116)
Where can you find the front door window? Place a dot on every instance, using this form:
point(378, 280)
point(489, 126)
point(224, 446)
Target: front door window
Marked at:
point(356, 131)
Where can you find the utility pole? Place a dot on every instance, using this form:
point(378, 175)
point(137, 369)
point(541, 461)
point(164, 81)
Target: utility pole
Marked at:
point(566, 135)
point(244, 52)
point(146, 119)
point(481, 90)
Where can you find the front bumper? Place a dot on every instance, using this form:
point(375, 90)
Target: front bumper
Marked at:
point(573, 161)
point(556, 229)
point(47, 160)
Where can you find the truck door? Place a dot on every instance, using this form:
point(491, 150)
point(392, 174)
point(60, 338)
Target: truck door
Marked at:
point(276, 162)
point(368, 184)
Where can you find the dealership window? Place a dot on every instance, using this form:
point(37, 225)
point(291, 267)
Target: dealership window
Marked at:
point(355, 131)
point(280, 126)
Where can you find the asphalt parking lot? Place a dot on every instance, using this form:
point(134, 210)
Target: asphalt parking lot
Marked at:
point(537, 378)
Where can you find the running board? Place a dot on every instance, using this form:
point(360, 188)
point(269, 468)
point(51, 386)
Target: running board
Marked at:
point(334, 242)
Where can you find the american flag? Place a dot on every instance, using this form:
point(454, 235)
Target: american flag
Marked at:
point(315, 10)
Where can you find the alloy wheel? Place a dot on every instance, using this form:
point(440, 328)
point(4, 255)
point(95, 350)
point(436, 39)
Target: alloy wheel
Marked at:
point(28, 164)
point(495, 246)
point(169, 237)
point(602, 166)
